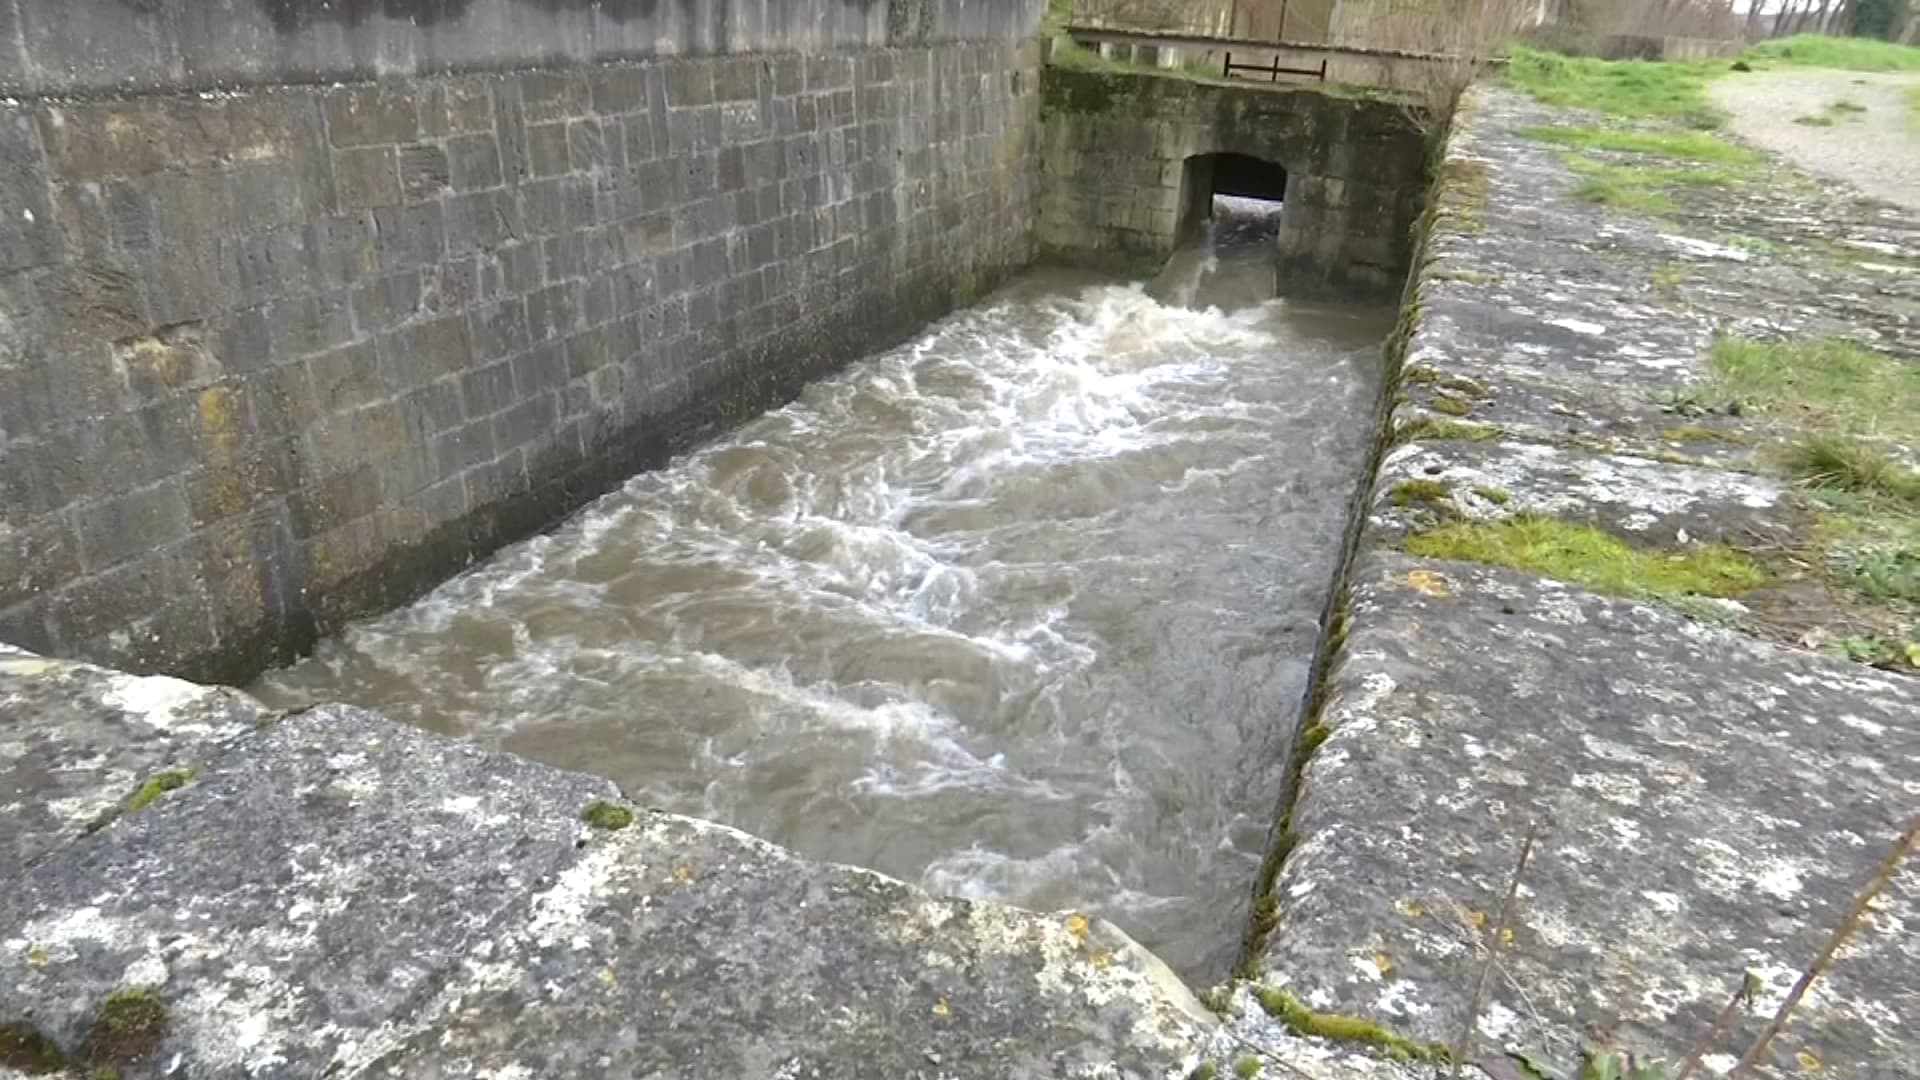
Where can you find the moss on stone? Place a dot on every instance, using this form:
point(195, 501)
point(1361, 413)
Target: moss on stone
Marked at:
point(1441, 429)
point(602, 814)
point(157, 785)
point(1590, 557)
point(130, 1025)
point(1247, 1067)
point(23, 1047)
point(1348, 1029)
point(1451, 406)
point(1206, 1070)
point(1462, 384)
point(1409, 492)
point(1498, 496)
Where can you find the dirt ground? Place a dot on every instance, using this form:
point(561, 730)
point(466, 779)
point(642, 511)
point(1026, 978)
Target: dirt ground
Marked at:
point(1876, 150)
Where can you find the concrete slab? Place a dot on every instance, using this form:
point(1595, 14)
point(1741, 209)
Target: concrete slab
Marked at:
point(1708, 805)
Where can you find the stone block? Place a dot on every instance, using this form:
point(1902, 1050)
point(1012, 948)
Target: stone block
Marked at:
point(586, 146)
point(371, 115)
point(409, 236)
point(473, 161)
point(117, 528)
point(618, 88)
point(553, 95)
point(422, 352)
point(689, 83)
point(29, 233)
point(540, 370)
point(346, 378)
point(366, 177)
point(456, 105)
point(424, 171)
point(547, 153)
point(488, 390)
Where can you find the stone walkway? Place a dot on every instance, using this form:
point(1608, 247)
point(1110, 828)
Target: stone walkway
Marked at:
point(1708, 800)
point(1804, 114)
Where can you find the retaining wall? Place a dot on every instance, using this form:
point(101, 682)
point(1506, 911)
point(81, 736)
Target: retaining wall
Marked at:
point(277, 356)
point(1116, 184)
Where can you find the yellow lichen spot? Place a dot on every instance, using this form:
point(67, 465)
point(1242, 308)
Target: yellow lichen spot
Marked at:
point(1475, 919)
point(1383, 963)
point(683, 873)
point(1412, 909)
point(940, 1008)
point(1077, 925)
point(1506, 936)
point(219, 423)
point(1808, 1063)
point(37, 957)
point(1427, 582)
point(1101, 959)
point(606, 976)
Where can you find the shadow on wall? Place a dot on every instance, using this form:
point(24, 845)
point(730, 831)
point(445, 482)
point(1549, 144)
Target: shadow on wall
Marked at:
point(291, 15)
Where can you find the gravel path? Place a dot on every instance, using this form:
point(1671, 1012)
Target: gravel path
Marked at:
point(1877, 151)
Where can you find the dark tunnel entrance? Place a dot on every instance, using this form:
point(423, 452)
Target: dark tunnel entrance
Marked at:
point(1229, 184)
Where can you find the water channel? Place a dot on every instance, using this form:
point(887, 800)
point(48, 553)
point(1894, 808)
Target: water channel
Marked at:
point(1021, 610)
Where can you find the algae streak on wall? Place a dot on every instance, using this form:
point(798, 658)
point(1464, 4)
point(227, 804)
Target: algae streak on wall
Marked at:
point(278, 355)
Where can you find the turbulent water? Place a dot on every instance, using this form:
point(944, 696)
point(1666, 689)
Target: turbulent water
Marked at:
point(1021, 610)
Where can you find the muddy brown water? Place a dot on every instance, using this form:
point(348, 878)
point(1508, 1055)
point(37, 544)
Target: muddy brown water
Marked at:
point(1020, 610)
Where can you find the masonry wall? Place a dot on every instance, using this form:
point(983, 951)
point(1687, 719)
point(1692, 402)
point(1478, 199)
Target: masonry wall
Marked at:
point(278, 356)
point(1116, 185)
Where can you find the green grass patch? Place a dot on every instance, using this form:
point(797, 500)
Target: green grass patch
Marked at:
point(1671, 90)
point(1846, 53)
point(1828, 383)
point(1871, 544)
point(1587, 556)
point(1639, 187)
point(1683, 145)
point(1845, 465)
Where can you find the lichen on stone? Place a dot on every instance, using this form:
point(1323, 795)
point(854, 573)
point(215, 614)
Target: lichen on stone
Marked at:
point(1351, 1029)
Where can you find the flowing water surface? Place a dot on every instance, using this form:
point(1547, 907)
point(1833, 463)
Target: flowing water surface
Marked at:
point(1021, 610)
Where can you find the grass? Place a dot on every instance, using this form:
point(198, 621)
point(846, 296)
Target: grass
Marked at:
point(1680, 145)
point(1845, 465)
point(1832, 384)
point(1668, 90)
point(1587, 556)
point(1639, 187)
point(1846, 53)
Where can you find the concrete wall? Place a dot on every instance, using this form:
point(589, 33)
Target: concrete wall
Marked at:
point(1116, 186)
point(276, 357)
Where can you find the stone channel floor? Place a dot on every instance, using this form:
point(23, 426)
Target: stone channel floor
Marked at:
point(1707, 798)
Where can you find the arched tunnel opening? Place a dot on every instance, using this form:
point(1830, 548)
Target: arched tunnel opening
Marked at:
point(1228, 184)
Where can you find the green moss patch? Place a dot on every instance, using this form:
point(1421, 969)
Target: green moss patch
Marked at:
point(602, 814)
point(157, 785)
point(1409, 492)
point(24, 1048)
point(130, 1025)
point(1586, 556)
point(1845, 53)
point(1442, 429)
point(1247, 1067)
point(1348, 1029)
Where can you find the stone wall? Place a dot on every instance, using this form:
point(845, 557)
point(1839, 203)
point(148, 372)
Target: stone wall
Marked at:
point(121, 46)
point(1116, 184)
point(271, 358)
